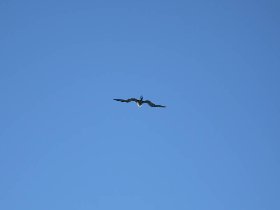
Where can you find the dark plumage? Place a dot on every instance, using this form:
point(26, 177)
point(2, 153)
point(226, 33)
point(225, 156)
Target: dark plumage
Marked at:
point(139, 102)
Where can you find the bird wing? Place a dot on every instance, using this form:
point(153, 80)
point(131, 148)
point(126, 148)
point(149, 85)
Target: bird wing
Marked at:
point(126, 100)
point(152, 104)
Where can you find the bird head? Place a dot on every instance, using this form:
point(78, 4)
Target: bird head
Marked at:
point(141, 98)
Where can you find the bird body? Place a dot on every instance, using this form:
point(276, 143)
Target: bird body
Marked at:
point(139, 102)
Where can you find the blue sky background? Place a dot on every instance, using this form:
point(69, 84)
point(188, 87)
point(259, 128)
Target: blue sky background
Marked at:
point(65, 144)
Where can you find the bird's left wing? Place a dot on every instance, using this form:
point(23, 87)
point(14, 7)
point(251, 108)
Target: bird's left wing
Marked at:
point(132, 99)
point(126, 100)
point(152, 104)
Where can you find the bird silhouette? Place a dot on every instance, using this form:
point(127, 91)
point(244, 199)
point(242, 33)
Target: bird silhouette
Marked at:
point(140, 102)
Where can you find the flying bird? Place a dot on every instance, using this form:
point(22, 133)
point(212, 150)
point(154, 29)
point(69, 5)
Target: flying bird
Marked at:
point(139, 102)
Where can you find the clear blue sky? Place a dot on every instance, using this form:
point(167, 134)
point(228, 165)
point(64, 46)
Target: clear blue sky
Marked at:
point(65, 144)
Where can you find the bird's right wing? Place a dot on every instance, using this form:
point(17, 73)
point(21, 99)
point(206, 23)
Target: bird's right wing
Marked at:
point(126, 100)
point(152, 104)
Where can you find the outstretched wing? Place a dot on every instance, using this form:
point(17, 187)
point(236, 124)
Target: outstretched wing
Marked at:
point(126, 100)
point(152, 104)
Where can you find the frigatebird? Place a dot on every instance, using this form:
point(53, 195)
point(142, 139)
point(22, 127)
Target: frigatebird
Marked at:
point(139, 102)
